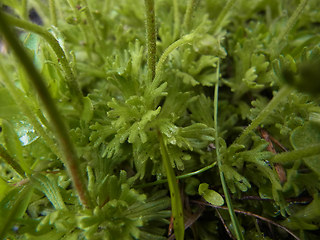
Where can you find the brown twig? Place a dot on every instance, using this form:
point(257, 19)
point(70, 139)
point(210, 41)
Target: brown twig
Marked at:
point(277, 166)
point(225, 225)
point(249, 214)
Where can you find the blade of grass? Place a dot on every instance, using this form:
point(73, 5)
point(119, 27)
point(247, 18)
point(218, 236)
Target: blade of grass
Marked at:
point(69, 153)
point(176, 204)
point(233, 216)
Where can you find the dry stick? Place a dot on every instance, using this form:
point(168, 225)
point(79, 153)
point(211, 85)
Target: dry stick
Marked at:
point(69, 153)
point(250, 214)
point(151, 38)
point(225, 225)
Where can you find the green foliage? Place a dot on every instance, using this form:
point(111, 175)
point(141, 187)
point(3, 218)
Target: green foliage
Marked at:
point(125, 132)
point(209, 195)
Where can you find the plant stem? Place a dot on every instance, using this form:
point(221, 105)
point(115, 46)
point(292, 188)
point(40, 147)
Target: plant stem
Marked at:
point(70, 157)
point(19, 98)
point(184, 40)
point(53, 13)
point(178, 177)
point(92, 25)
point(278, 43)
point(283, 93)
point(176, 28)
point(70, 79)
point(9, 160)
point(222, 16)
point(151, 38)
point(291, 156)
point(187, 17)
point(232, 214)
point(83, 31)
point(176, 204)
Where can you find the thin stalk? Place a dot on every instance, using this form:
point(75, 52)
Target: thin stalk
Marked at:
point(188, 15)
point(276, 44)
point(178, 177)
point(176, 203)
point(19, 98)
point(176, 27)
point(222, 15)
point(9, 160)
point(92, 24)
point(69, 153)
point(184, 40)
point(291, 156)
point(282, 94)
point(83, 31)
point(70, 79)
point(151, 38)
point(53, 12)
point(232, 214)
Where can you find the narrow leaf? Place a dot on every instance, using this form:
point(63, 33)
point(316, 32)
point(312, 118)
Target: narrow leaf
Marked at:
point(176, 204)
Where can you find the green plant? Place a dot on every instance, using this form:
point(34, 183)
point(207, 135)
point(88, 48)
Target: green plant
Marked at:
point(116, 116)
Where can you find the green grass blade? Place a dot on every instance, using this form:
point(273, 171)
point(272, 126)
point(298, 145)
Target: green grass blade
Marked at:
point(176, 204)
point(233, 216)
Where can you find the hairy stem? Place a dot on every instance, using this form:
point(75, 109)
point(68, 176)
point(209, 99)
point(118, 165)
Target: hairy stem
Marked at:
point(282, 94)
point(151, 38)
point(176, 28)
point(279, 43)
point(71, 81)
point(184, 40)
point(296, 154)
point(188, 15)
point(232, 214)
point(9, 160)
point(69, 154)
point(222, 15)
